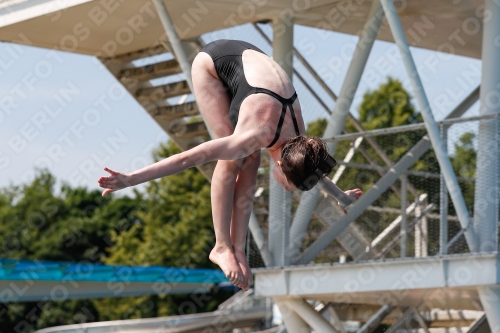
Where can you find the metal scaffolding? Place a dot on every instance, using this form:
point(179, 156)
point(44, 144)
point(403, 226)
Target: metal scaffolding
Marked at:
point(397, 267)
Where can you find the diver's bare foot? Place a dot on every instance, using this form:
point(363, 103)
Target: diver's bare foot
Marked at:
point(245, 268)
point(225, 259)
point(353, 195)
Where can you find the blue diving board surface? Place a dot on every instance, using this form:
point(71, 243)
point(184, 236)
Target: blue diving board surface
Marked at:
point(32, 280)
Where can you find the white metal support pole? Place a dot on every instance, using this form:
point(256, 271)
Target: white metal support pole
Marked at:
point(335, 320)
point(310, 316)
point(421, 231)
point(488, 159)
point(342, 105)
point(180, 53)
point(443, 204)
point(490, 300)
point(293, 322)
point(353, 76)
point(259, 239)
point(404, 205)
point(280, 201)
point(432, 128)
point(301, 220)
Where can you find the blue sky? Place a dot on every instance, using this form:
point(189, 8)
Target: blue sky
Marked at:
point(66, 112)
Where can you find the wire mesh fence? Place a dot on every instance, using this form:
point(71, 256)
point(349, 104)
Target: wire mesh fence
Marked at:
point(415, 216)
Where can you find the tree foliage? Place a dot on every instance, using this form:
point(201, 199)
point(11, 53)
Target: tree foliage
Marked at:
point(464, 163)
point(72, 224)
point(168, 225)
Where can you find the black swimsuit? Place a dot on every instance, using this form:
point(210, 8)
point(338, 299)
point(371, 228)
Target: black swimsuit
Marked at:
point(226, 55)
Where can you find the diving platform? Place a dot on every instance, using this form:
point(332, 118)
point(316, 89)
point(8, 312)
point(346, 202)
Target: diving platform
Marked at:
point(442, 282)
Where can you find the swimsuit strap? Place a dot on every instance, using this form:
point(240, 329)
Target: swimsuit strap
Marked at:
point(286, 102)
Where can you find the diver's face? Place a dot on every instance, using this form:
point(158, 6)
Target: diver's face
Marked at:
point(280, 177)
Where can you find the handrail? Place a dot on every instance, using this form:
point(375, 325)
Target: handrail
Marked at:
point(405, 128)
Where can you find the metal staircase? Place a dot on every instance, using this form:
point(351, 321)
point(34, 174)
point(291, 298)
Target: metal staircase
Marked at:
point(180, 120)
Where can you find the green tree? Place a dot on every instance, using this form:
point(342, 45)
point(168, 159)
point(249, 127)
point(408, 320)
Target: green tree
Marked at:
point(72, 224)
point(169, 225)
point(463, 161)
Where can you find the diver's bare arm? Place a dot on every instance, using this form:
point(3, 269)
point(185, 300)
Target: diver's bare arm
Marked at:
point(344, 198)
point(227, 148)
point(331, 189)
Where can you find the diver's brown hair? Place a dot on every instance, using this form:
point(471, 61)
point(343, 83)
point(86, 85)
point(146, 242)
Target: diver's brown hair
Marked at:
point(305, 161)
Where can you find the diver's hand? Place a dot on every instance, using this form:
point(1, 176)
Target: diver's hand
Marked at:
point(114, 182)
point(353, 195)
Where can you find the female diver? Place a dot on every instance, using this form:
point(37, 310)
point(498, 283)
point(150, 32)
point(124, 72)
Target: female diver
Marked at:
point(244, 96)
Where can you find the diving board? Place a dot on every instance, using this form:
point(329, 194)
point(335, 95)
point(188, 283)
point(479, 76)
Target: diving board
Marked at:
point(31, 280)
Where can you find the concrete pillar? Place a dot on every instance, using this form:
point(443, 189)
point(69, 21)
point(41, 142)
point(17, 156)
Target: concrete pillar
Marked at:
point(490, 300)
point(487, 165)
point(280, 201)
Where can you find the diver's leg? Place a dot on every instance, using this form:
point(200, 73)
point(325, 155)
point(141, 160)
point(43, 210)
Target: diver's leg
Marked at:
point(214, 102)
point(222, 196)
point(242, 207)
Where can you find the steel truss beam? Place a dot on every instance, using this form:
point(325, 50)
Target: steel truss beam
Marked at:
point(359, 59)
point(334, 318)
point(426, 279)
point(443, 202)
